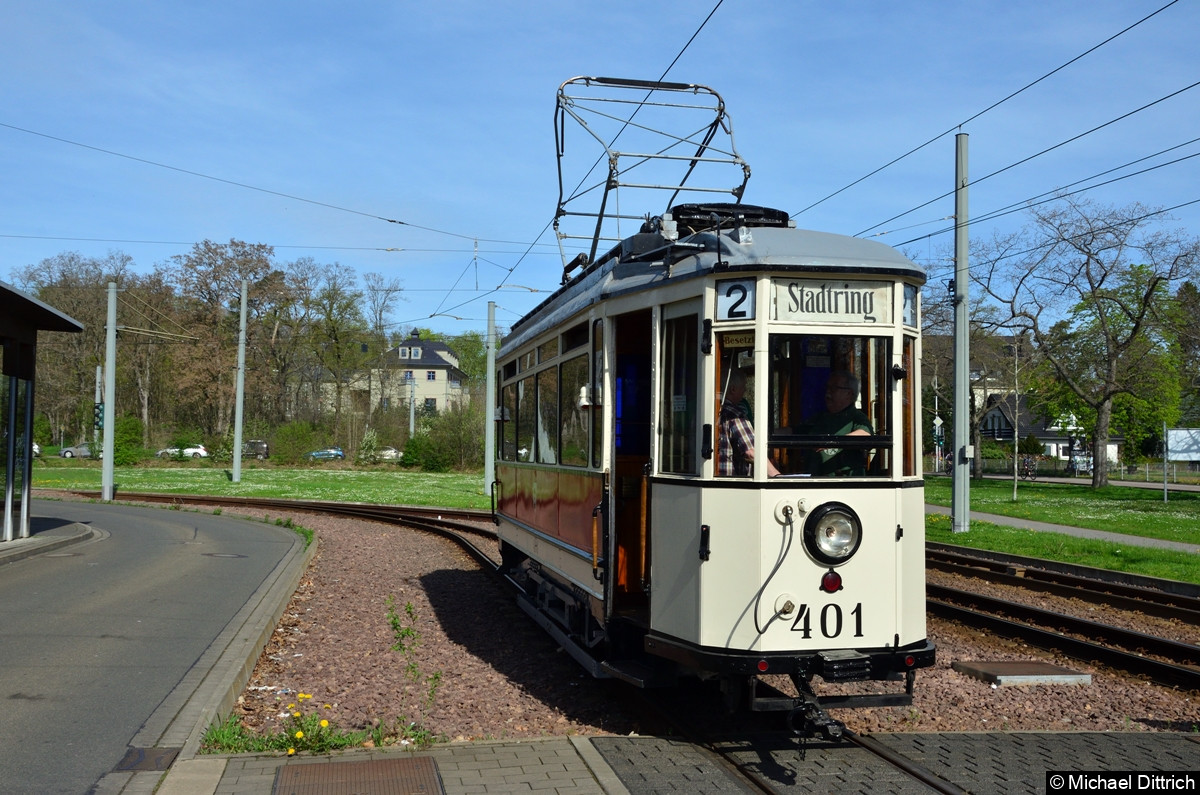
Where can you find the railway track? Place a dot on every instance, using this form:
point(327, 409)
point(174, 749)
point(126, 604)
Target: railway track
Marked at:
point(1124, 592)
point(1164, 661)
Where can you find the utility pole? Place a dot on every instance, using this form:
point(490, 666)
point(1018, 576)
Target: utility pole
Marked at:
point(412, 405)
point(241, 391)
point(97, 406)
point(489, 416)
point(1016, 412)
point(964, 451)
point(110, 395)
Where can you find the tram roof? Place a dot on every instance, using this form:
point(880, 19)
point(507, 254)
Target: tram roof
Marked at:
point(648, 260)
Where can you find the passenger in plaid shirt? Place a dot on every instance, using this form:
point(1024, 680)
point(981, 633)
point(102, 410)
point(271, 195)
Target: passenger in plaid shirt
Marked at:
point(735, 436)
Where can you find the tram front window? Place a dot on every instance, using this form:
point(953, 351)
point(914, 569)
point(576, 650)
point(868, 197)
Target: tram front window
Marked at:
point(829, 405)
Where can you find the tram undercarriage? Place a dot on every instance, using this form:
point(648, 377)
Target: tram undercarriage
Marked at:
point(623, 648)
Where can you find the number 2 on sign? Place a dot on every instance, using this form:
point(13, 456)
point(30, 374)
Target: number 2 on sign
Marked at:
point(735, 299)
point(831, 621)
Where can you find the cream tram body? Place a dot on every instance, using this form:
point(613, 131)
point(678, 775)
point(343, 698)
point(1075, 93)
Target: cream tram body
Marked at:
point(635, 546)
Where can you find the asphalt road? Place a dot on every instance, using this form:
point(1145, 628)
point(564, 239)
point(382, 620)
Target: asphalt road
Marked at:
point(94, 636)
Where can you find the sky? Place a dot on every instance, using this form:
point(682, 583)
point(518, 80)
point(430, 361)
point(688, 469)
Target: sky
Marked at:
point(417, 140)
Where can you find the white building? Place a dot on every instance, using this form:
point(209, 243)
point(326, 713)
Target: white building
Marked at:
point(424, 370)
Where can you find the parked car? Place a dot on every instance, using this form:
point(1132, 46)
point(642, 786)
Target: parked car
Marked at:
point(78, 451)
point(256, 448)
point(195, 451)
point(325, 454)
point(389, 454)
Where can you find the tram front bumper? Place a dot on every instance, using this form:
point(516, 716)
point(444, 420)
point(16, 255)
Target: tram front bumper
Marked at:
point(833, 665)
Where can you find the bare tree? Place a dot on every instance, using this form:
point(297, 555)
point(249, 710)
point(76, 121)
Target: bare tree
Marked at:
point(1088, 284)
point(209, 281)
point(149, 311)
point(339, 334)
point(989, 371)
point(381, 297)
point(76, 286)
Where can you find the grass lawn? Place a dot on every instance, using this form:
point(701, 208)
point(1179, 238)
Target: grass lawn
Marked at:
point(1117, 509)
point(1130, 511)
point(385, 486)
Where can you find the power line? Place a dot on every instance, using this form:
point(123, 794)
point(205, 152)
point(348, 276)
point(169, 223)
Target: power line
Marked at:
point(1047, 150)
point(405, 250)
point(665, 72)
point(1124, 223)
point(1062, 192)
point(247, 186)
point(993, 106)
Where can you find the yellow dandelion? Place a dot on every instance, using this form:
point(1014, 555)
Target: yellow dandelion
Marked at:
point(291, 706)
point(299, 735)
point(324, 724)
point(291, 751)
point(303, 695)
point(295, 714)
point(328, 707)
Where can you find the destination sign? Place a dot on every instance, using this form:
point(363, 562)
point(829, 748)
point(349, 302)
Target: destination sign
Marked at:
point(832, 301)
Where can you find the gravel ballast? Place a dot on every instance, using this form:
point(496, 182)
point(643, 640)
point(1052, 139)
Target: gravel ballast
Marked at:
point(473, 666)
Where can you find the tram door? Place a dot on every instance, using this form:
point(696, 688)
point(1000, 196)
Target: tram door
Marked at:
point(632, 402)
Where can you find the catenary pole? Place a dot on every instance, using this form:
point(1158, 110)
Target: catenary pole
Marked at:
point(963, 450)
point(489, 416)
point(110, 395)
point(240, 399)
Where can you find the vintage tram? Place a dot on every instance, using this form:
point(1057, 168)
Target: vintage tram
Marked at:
point(708, 461)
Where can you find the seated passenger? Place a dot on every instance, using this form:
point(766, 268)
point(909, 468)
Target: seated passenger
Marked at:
point(840, 418)
point(735, 434)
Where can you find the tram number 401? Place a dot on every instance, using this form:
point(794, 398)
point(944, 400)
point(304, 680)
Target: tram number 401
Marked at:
point(831, 621)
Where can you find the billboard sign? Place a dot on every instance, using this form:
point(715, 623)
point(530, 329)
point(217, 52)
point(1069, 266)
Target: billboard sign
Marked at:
point(1183, 444)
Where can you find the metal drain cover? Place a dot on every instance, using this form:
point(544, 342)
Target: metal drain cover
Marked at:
point(391, 776)
point(147, 759)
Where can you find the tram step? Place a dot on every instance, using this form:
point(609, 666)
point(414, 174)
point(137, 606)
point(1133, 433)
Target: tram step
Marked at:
point(635, 672)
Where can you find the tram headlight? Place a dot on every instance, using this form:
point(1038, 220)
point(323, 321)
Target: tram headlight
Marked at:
point(832, 533)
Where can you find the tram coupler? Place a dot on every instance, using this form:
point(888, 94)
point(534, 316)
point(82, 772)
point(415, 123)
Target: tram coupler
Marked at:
point(809, 720)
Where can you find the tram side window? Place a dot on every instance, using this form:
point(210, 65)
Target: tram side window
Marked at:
point(575, 411)
point(680, 409)
point(508, 423)
point(735, 427)
point(597, 393)
point(547, 416)
point(829, 405)
point(526, 418)
point(910, 419)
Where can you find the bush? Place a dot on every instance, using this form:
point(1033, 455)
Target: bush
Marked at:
point(422, 451)
point(368, 447)
point(127, 439)
point(1031, 445)
point(989, 448)
point(222, 451)
point(293, 440)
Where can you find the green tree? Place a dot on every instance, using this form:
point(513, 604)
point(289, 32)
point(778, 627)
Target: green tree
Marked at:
point(471, 349)
point(1187, 336)
point(1031, 445)
point(1089, 286)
